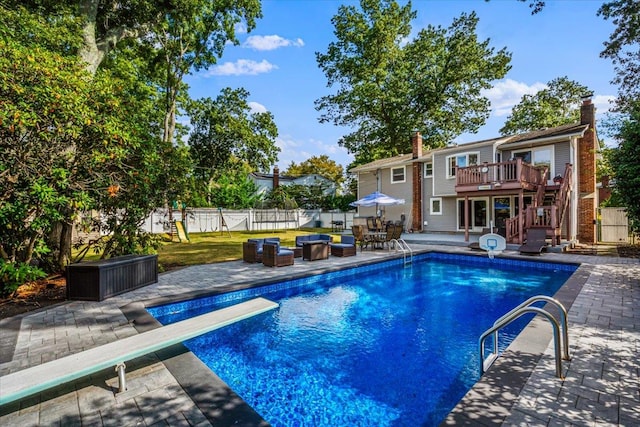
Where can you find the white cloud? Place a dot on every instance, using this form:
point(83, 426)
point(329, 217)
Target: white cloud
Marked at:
point(298, 151)
point(242, 67)
point(270, 42)
point(507, 93)
point(257, 107)
point(603, 103)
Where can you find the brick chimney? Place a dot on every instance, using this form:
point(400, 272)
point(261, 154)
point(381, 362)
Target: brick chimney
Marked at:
point(416, 143)
point(587, 196)
point(416, 206)
point(276, 177)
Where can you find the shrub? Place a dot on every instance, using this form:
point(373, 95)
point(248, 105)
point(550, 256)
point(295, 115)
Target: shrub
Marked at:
point(12, 275)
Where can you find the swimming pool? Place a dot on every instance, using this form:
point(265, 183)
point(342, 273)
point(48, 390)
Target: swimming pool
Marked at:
point(376, 345)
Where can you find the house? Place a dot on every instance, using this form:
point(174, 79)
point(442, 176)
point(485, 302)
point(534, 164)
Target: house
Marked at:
point(266, 182)
point(540, 179)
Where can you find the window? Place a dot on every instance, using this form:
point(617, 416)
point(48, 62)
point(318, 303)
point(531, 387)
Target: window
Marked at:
point(428, 170)
point(461, 160)
point(539, 156)
point(436, 206)
point(397, 175)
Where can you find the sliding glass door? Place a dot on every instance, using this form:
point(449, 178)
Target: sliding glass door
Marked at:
point(478, 214)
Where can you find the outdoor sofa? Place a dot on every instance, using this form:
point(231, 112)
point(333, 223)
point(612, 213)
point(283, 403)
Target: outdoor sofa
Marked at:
point(312, 237)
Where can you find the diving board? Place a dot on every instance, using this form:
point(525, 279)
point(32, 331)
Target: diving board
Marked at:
point(38, 378)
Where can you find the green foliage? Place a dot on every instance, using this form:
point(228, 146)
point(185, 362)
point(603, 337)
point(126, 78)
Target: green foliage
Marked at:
point(625, 163)
point(13, 275)
point(225, 132)
point(321, 165)
point(234, 191)
point(72, 142)
point(277, 198)
point(623, 48)
point(46, 119)
point(556, 105)
point(306, 196)
point(388, 87)
point(311, 197)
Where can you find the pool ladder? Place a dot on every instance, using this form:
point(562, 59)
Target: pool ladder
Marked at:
point(559, 341)
point(403, 247)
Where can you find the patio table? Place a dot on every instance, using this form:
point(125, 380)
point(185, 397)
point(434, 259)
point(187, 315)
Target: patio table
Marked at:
point(376, 238)
point(313, 250)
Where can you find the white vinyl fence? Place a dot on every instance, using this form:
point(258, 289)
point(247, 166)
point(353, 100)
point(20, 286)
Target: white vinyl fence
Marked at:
point(202, 220)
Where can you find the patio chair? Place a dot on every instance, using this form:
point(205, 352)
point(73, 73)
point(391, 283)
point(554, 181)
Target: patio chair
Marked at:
point(391, 232)
point(360, 238)
point(346, 247)
point(536, 242)
point(275, 256)
point(252, 250)
point(397, 233)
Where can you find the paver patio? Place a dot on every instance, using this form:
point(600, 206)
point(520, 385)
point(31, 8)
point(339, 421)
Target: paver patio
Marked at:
point(601, 385)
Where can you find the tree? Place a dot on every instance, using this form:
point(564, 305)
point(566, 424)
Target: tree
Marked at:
point(556, 105)
point(388, 87)
point(234, 190)
point(70, 142)
point(623, 48)
point(321, 165)
point(225, 132)
point(192, 37)
point(625, 162)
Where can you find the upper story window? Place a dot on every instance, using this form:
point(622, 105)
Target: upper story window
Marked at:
point(460, 160)
point(398, 175)
point(428, 170)
point(539, 156)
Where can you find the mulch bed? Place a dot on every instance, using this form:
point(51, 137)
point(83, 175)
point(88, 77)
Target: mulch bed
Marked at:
point(34, 295)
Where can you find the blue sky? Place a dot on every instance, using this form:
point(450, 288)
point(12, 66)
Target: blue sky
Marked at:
point(276, 62)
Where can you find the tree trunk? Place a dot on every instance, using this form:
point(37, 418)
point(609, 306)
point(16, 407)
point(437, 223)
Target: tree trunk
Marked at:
point(89, 52)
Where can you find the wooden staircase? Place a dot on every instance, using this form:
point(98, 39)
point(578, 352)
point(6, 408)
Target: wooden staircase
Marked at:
point(549, 217)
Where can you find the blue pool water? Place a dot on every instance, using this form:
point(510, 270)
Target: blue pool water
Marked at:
point(379, 345)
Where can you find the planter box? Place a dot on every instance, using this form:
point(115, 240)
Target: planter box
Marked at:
point(97, 280)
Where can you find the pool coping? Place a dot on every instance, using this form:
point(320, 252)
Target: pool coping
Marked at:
point(488, 402)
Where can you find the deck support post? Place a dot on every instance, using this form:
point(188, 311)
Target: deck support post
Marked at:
point(466, 218)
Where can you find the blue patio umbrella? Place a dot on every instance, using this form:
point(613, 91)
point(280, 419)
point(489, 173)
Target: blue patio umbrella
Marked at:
point(377, 198)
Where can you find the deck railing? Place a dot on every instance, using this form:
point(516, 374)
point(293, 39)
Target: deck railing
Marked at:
point(503, 172)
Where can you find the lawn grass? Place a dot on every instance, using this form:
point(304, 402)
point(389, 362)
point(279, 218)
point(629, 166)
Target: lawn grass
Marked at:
point(208, 248)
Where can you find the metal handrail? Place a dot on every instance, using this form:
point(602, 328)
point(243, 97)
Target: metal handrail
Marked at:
point(563, 321)
point(510, 317)
point(404, 247)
